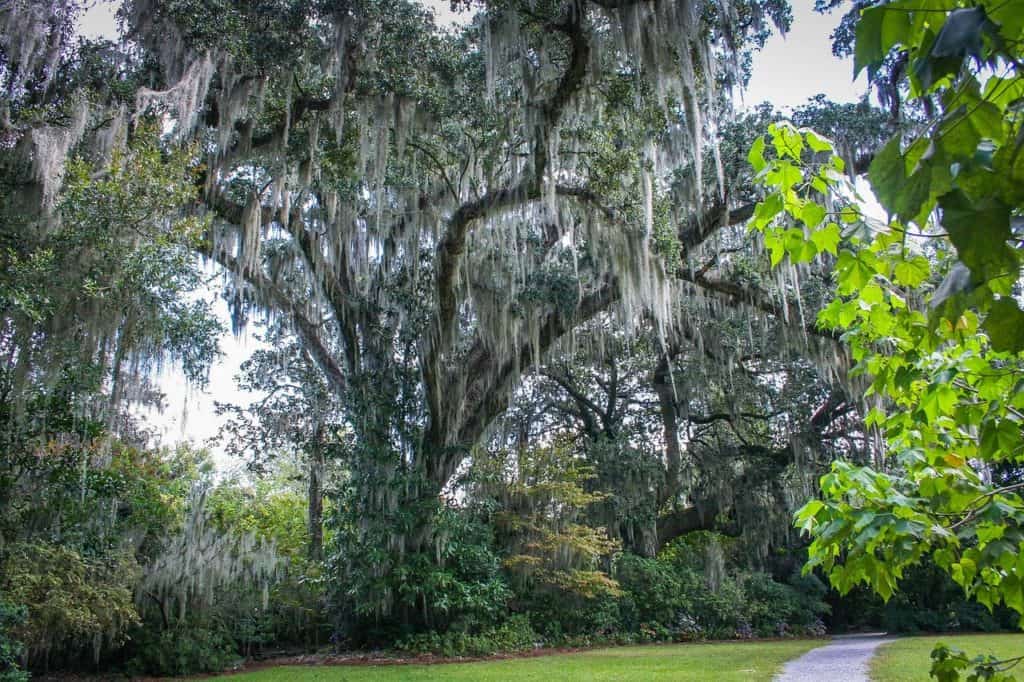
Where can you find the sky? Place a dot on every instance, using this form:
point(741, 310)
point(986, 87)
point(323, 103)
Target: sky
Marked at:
point(788, 71)
point(792, 68)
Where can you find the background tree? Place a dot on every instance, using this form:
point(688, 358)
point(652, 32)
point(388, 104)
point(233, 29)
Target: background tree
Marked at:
point(297, 416)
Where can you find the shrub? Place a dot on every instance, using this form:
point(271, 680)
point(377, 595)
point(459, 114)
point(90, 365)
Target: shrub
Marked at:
point(671, 598)
point(377, 599)
point(776, 609)
point(720, 612)
point(183, 650)
point(515, 634)
point(653, 592)
point(74, 604)
point(560, 615)
point(11, 649)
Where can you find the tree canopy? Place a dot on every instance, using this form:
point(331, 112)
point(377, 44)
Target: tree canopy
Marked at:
point(514, 319)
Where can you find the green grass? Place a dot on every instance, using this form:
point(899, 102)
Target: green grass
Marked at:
point(908, 659)
point(720, 662)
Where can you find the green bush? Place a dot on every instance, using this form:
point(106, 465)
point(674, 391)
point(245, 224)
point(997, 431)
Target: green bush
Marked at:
point(11, 649)
point(670, 598)
point(560, 614)
point(776, 609)
point(183, 650)
point(377, 598)
point(75, 604)
point(653, 593)
point(721, 613)
point(515, 634)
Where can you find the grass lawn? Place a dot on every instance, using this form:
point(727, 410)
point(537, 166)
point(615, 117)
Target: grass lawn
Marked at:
point(908, 659)
point(726, 661)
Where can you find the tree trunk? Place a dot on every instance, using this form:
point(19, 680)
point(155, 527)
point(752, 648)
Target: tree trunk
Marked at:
point(665, 388)
point(316, 496)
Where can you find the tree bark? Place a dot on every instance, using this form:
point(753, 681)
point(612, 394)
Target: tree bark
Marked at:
point(664, 387)
point(682, 521)
point(316, 496)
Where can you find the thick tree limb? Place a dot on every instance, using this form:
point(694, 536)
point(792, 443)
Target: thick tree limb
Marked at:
point(479, 389)
point(681, 521)
point(698, 229)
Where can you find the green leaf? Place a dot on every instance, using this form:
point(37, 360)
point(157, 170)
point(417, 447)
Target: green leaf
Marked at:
point(987, 532)
point(788, 141)
point(812, 214)
point(1000, 439)
point(938, 401)
point(800, 250)
point(1012, 594)
point(887, 174)
point(872, 294)
point(963, 129)
point(766, 210)
point(756, 155)
point(1008, 16)
point(849, 215)
point(827, 238)
point(1002, 92)
point(912, 195)
point(1005, 325)
point(964, 571)
point(912, 272)
point(816, 142)
point(854, 273)
point(1007, 179)
point(784, 175)
point(980, 231)
point(868, 47)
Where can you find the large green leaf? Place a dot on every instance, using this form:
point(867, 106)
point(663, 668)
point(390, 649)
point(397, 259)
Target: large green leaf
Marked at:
point(868, 49)
point(887, 174)
point(1005, 325)
point(960, 135)
point(980, 231)
point(1009, 17)
point(961, 35)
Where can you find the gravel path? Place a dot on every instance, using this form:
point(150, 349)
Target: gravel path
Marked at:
point(844, 658)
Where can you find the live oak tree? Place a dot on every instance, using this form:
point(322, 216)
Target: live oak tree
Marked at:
point(431, 212)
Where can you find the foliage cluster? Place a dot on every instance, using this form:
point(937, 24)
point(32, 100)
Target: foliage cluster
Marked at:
point(11, 648)
point(944, 389)
point(75, 604)
point(85, 522)
point(514, 634)
point(944, 380)
point(926, 600)
point(656, 600)
point(407, 354)
point(519, 567)
point(185, 649)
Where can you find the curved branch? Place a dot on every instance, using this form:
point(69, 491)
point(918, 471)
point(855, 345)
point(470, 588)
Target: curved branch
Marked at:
point(453, 245)
point(305, 329)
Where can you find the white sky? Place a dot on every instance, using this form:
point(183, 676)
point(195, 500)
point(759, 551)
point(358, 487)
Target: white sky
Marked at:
point(793, 68)
point(786, 73)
